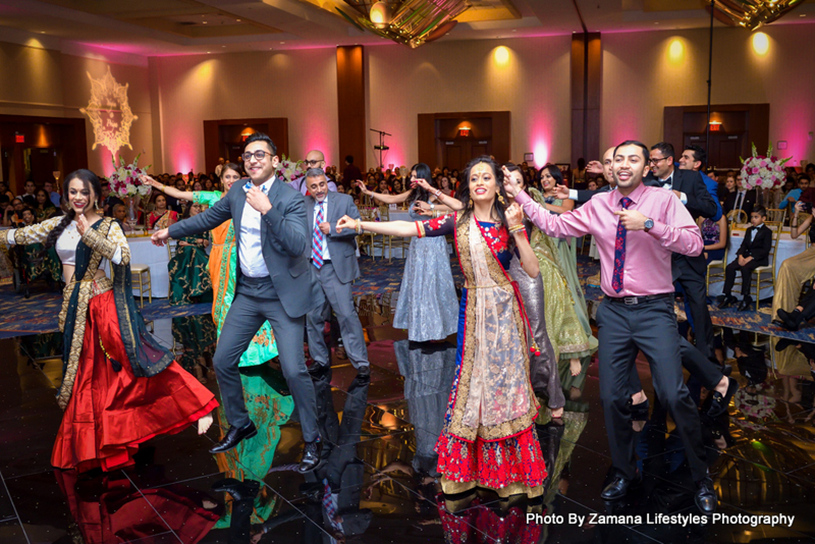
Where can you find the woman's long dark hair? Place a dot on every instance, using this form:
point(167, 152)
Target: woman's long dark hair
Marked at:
point(91, 182)
point(556, 174)
point(422, 172)
point(464, 191)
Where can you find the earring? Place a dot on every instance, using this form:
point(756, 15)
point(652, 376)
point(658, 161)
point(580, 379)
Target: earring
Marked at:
point(501, 199)
point(470, 205)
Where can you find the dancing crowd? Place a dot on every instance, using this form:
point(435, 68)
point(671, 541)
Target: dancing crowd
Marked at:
point(277, 259)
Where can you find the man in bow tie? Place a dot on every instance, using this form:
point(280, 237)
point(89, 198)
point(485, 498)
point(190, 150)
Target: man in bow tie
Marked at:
point(274, 283)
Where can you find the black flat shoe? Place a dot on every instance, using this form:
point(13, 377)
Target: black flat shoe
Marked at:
point(719, 402)
point(239, 490)
point(233, 437)
point(364, 371)
point(745, 304)
point(727, 302)
point(618, 488)
point(311, 456)
point(784, 343)
point(705, 497)
point(317, 371)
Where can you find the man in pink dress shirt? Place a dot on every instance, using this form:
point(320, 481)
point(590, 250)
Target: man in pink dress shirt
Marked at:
point(637, 312)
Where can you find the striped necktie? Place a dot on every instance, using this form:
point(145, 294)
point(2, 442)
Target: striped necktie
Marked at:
point(317, 239)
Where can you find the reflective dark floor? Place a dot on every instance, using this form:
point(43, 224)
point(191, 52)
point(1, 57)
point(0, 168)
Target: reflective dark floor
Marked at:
point(377, 483)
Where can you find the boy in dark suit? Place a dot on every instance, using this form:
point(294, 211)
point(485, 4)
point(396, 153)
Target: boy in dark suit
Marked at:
point(754, 252)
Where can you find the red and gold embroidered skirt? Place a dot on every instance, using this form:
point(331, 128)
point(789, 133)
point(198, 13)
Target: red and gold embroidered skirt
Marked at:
point(110, 413)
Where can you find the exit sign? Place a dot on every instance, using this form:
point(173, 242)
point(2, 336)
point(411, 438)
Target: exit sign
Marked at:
point(19, 138)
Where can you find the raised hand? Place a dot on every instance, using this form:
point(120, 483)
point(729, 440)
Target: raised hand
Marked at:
point(82, 224)
point(594, 167)
point(511, 189)
point(160, 237)
point(631, 219)
point(561, 192)
point(514, 214)
point(256, 198)
point(362, 187)
point(422, 208)
point(346, 222)
point(421, 182)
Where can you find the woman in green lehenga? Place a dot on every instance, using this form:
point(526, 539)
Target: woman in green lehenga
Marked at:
point(570, 329)
point(189, 276)
point(268, 408)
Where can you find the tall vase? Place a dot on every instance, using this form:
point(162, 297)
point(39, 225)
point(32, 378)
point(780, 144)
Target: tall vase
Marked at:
point(133, 209)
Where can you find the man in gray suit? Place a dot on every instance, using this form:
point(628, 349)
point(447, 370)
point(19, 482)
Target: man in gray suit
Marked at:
point(335, 267)
point(273, 283)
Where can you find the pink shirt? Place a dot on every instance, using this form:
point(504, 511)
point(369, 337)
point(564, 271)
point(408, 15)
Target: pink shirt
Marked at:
point(648, 254)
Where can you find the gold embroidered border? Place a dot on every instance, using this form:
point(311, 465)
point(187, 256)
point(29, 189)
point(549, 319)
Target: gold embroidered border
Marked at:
point(85, 294)
point(507, 428)
point(449, 487)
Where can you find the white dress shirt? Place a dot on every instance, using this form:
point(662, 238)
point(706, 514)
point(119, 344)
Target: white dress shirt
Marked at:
point(249, 248)
point(668, 183)
point(326, 254)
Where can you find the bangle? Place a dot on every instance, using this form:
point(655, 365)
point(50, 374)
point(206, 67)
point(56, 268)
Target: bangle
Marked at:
point(516, 228)
point(359, 227)
point(432, 206)
point(437, 194)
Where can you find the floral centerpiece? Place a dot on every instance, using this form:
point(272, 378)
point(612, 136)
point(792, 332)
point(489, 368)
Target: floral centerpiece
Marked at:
point(126, 179)
point(766, 172)
point(289, 170)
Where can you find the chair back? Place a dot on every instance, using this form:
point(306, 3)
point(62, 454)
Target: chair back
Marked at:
point(774, 248)
point(384, 213)
point(736, 217)
point(776, 214)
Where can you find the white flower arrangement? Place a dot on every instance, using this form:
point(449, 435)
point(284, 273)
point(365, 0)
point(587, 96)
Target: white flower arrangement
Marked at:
point(765, 172)
point(126, 179)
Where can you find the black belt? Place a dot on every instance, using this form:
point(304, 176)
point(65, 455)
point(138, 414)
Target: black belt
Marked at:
point(249, 280)
point(633, 301)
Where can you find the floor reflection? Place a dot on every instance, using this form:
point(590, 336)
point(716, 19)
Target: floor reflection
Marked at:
point(378, 481)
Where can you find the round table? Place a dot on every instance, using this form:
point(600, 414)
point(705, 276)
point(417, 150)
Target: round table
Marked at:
point(142, 251)
point(787, 247)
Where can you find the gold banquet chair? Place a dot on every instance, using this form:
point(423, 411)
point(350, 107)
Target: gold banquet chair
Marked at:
point(381, 240)
point(776, 215)
point(142, 281)
point(712, 275)
point(737, 217)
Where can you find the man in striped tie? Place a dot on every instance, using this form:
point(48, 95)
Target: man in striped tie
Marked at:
point(335, 267)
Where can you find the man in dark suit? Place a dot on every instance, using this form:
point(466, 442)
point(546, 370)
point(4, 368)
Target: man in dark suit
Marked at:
point(273, 283)
point(740, 199)
point(688, 271)
point(754, 252)
point(335, 268)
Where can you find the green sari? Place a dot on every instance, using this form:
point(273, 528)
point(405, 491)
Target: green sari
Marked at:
point(189, 278)
point(223, 263)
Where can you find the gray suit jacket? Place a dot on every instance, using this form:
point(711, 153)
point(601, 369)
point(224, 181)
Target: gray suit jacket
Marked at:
point(341, 246)
point(284, 237)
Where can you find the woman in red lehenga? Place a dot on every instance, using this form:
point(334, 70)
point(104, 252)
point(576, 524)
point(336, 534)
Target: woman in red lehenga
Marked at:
point(120, 387)
point(489, 438)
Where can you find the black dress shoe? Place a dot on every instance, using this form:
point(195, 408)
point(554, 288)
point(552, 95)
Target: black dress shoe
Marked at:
point(364, 371)
point(727, 301)
point(233, 437)
point(777, 322)
point(318, 370)
point(719, 402)
point(784, 343)
point(791, 320)
point(618, 488)
point(311, 456)
point(639, 412)
point(745, 304)
point(705, 497)
point(239, 490)
point(727, 370)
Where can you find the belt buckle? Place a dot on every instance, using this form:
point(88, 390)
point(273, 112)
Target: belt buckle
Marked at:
point(630, 301)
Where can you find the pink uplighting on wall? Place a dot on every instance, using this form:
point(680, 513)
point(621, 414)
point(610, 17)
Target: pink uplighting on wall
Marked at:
point(182, 156)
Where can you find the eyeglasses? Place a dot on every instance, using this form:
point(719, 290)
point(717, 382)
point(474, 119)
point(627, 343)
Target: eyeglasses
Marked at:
point(656, 161)
point(258, 155)
point(312, 163)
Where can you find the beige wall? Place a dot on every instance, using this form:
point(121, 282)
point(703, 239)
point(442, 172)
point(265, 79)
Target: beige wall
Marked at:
point(299, 85)
point(641, 77)
point(533, 84)
point(46, 82)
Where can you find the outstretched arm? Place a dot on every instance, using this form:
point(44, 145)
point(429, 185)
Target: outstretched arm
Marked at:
point(32, 234)
point(390, 228)
point(167, 190)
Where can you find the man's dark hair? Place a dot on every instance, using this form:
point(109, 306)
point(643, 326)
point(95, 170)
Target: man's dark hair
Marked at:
point(261, 137)
point(27, 209)
point(349, 159)
point(4, 198)
point(637, 143)
point(666, 149)
point(760, 210)
point(699, 154)
point(104, 183)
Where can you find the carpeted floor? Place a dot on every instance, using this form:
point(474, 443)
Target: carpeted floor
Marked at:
point(38, 314)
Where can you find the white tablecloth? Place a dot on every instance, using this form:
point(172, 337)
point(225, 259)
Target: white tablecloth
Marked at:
point(142, 251)
point(787, 247)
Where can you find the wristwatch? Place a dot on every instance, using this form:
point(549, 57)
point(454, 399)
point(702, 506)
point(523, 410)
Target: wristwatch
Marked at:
point(432, 206)
point(649, 224)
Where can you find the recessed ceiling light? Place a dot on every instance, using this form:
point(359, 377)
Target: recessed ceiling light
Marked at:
point(209, 52)
point(238, 20)
point(803, 15)
point(656, 23)
point(205, 22)
point(282, 43)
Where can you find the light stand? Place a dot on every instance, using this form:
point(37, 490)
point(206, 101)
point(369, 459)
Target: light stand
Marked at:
point(381, 147)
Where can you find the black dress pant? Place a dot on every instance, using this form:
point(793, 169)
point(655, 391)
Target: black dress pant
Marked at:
point(649, 326)
point(690, 273)
point(746, 276)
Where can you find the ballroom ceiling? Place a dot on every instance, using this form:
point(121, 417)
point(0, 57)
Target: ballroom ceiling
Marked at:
point(173, 27)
